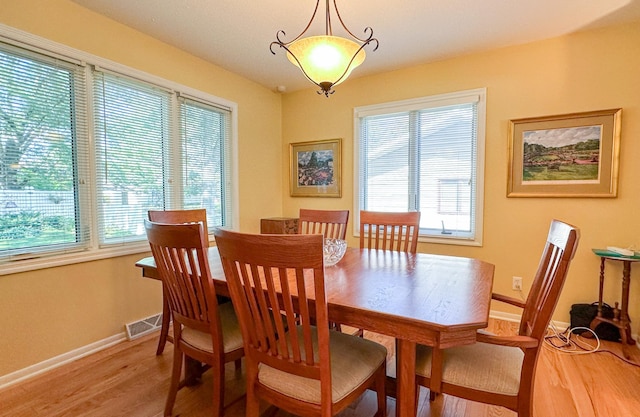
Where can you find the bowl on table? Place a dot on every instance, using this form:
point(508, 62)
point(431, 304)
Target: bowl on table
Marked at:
point(334, 250)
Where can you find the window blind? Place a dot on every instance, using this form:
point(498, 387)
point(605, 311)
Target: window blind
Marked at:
point(206, 151)
point(447, 156)
point(44, 198)
point(132, 129)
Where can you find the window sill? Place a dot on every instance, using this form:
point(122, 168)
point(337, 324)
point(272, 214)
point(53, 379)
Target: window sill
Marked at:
point(449, 241)
point(43, 262)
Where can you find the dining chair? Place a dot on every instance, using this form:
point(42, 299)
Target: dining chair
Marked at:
point(181, 216)
point(500, 370)
point(330, 223)
point(202, 329)
point(174, 217)
point(396, 231)
point(305, 369)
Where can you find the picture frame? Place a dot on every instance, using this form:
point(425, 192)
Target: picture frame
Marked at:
point(569, 155)
point(316, 168)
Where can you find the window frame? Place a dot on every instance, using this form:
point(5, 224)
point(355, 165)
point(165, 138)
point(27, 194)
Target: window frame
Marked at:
point(48, 259)
point(421, 103)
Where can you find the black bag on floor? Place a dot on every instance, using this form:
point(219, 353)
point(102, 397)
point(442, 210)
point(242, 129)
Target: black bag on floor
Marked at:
point(583, 314)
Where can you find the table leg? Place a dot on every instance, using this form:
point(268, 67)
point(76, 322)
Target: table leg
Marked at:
point(601, 289)
point(436, 373)
point(192, 372)
point(406, 379)
point(625, 332)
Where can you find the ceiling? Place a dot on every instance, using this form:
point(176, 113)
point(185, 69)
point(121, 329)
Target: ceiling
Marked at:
point(235, 34)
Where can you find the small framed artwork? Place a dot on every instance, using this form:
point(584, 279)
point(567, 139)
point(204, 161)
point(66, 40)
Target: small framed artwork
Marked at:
point(571, 155)
point(315, 168)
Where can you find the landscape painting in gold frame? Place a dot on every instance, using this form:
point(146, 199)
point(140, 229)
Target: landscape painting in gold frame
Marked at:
point(315, 168)
point(570, 155)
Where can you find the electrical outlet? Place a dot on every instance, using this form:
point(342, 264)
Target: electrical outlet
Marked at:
point(517, 284)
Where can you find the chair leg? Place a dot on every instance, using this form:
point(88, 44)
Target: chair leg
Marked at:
point(381, 391)
point(253, 405)
point(525, 409)
point(217, 373)
point(238, 363)
point(164, 330)
point(253, 401)
point(178, 358)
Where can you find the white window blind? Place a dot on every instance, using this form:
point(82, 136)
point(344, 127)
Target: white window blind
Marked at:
point(425, 155)
point(132, 130)
point(44, 199)
point(206, 145)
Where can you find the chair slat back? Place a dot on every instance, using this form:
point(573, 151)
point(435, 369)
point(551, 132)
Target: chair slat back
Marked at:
point(181, 216)
point(180, 253)
point(559, 250)
point(269, 275)
point(330, 223)
point(389, 231)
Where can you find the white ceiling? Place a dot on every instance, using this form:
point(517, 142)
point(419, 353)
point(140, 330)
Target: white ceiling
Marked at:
point(235, 34)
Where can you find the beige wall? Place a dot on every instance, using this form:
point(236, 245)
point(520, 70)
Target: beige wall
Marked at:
point(588, 71)
point(53, 311)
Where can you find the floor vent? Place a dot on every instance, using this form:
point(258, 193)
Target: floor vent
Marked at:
point(141, 327)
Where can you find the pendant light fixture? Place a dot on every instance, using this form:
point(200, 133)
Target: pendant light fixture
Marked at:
point(326, 60)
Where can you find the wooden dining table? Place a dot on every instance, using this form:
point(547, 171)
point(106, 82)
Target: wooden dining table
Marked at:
point(434, 300)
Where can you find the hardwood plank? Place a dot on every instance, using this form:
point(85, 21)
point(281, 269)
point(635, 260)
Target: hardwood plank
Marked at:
point(130, 380)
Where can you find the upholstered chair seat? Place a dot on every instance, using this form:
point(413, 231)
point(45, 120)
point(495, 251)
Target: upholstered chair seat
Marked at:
point(481, 366)
point(353, 361)
point(231, 334)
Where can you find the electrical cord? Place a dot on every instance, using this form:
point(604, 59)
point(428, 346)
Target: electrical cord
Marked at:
point(563, 342)
point(570, 342)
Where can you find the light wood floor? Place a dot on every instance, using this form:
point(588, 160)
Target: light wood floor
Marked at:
point(129, 380)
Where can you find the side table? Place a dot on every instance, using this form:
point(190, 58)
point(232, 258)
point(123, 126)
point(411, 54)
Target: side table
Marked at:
point(621, 318)
point(279, 225)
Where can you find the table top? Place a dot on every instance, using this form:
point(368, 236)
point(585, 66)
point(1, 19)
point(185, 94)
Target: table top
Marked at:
point(605, 253)
point(430, 299)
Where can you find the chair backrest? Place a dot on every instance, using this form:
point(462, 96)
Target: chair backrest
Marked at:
point(561, 245)
point(271, 274)
point(330, 223)
point(181, 216)
point(180, 253)
point(389, 231)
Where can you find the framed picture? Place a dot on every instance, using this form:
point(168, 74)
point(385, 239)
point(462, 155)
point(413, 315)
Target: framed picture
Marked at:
point(571, 155)
point(315, 169)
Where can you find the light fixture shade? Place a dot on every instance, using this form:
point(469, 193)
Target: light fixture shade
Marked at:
point(326, 60)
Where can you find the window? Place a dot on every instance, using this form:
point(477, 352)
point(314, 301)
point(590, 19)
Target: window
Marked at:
point(205, 150)
point(145, 161)
point(425, 154)
point(86, 151)
point(42, 133)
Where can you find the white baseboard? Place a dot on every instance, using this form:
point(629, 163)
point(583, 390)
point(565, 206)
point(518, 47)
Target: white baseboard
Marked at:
point(560, 325)
point(49, 364)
